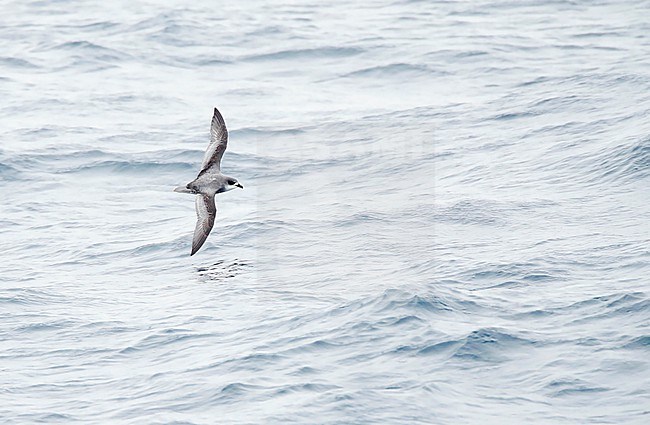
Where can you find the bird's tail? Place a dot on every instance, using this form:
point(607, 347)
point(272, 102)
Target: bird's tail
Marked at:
point(183, 189)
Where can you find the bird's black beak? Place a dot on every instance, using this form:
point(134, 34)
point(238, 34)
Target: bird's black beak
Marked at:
point(239, 185)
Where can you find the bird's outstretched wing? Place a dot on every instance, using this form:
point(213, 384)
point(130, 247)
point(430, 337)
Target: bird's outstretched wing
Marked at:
point(206, 211)
point(218, 143)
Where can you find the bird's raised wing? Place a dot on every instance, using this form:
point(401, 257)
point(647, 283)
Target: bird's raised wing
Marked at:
point(218, 143)
point(206, 211)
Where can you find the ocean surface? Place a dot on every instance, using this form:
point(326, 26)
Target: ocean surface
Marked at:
point(445, 220)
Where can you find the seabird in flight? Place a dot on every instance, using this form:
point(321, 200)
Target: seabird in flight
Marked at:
point(209, 182)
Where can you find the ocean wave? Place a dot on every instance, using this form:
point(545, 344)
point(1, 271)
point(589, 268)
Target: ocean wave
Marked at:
point(117, 166)
point(628, 162)
point(573, 387)
point(622, 305)
point(27, 297)
point(642, 342)
point(86, 51)
point(484, 345)
point(9, 173)
point(234, 391)
point(166, 339)
point(303, 54)
point(396, 301)
point(12, 62)
point(623, 163)
point(394, 70)
point(73, 161)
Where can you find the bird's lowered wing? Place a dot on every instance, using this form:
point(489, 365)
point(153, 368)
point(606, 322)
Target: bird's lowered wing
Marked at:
point(218, 143)
point(206, 211)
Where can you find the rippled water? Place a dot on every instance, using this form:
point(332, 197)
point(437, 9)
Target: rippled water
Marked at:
point(445, 217)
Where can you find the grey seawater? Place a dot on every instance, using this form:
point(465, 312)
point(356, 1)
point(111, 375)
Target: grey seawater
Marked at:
point(445, 216)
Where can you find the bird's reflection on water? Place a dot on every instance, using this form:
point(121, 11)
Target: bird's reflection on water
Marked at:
point(222, 270)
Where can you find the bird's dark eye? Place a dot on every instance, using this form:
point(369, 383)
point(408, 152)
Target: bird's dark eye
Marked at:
point(231, 182)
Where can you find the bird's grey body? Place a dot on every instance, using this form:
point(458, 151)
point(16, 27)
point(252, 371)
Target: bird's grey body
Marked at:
point(209, 182)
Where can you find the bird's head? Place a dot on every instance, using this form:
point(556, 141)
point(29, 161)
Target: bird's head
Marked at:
point(232, 183)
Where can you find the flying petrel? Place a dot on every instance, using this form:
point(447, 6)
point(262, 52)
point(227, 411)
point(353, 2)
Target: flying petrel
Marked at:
point(209, 182)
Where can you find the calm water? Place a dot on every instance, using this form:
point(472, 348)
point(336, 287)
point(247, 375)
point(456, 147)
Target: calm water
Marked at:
point(445, 219)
